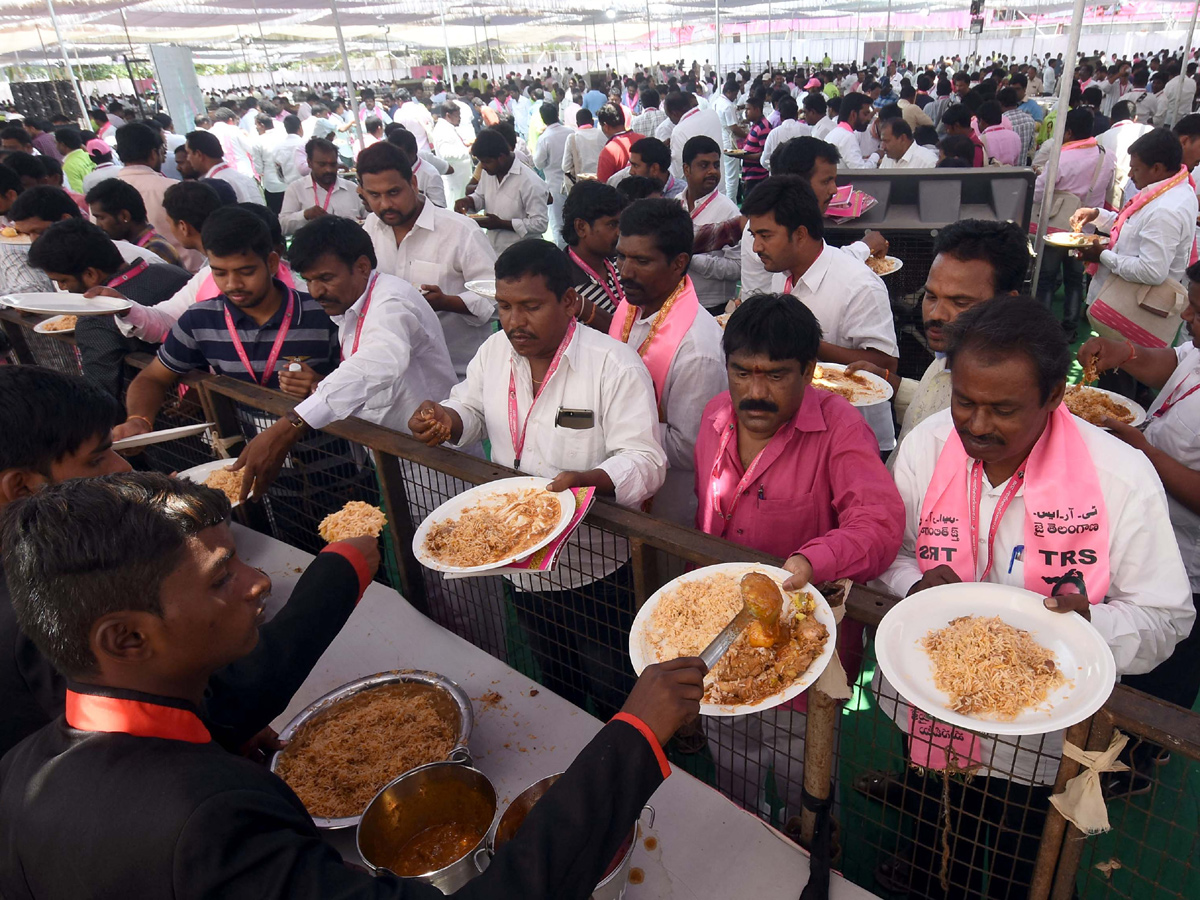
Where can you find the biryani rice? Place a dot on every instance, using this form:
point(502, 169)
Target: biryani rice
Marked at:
point(496, 528)
point(226, 480)
point(355, 519)
point(990, 668)
point(1092, 405)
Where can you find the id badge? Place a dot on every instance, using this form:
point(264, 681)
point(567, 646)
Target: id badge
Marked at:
point(578, 419)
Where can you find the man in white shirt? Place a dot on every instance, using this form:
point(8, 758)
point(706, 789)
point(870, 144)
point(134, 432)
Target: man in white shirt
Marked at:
point(1008, 453)
point(237, 147)
point(548, 156)
point(688, 121)
point(582, 150)
point(680, 343)
point(448, 144)
point(564, 402)
point(321, 193)
point(289, 159)
point(205, 155)
point(854, 117)
point(433, 249)
point(849, 300)
point(416, 118)
point(393, 352)
point(429, 179)
point(249, 115)
point(263, 153)
point(715, 274)
point(1155, 232)
point(789, 127)
point(1178, 97)
point(368, 107)
point(725, 106)
point(512, 194)
point(829, 118)
point(900, 151)
point(1116, 141)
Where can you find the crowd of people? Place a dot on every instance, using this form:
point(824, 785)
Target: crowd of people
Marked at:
point(662, 304)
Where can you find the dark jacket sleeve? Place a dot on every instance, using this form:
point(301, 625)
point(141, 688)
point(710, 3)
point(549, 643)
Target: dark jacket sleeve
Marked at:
point(572, 834)
point(245, 696)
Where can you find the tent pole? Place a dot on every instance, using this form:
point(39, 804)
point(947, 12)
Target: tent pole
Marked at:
point(67, 60)
point(446, 41)
point(770, 11)
point(1060, 127)
point(353, 98)
point(1183, 64)
point(717, 22)
point(262, 37)
point(129, 65)
point(857, 30)
point(649, 36)
point(887, 38)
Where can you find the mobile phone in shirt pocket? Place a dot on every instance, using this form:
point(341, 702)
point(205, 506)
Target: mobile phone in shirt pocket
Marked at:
point(575, 419)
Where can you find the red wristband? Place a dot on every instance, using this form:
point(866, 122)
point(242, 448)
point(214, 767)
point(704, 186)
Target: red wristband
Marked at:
point(663, 765)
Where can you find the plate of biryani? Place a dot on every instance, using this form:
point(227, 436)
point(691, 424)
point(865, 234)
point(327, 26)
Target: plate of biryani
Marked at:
point(684, 615)
point(1074, 240)
point(860, 388)
point(355, 519)
point(492, 525)
point(344, 747)
point(991, 658)
point(884, 265)
point(217, 475)
point(1093, 404)
point(56, 325)
point(484, 287)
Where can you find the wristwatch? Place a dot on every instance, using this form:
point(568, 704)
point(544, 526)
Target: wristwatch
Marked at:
point(294, 418)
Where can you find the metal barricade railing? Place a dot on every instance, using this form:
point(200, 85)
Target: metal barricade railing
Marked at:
point(926, 833)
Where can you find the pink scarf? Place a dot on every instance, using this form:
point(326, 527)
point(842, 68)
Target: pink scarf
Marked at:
point(208, 287)
point(674, 319)
point(1066, 523)
point(1141, 199)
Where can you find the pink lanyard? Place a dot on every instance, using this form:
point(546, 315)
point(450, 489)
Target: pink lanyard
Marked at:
point(212, 173)
point(328, 197)
point(141, 267)
point(689, 114)
point(362, 316)
point(146, 238)
point(1172, 399)
point(417, 167)
point(1002, 505)
point(699, 209)
point(276, 348)
point(518, 441)
point(614, 296)
point(742, 485)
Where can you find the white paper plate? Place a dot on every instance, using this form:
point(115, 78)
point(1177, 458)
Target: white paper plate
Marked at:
point(897, 265)
point(1079, 651)
point(202, 471)
point(881, 383)
point(23, 240)
point(643, 653)
point(60, 303)
point(1071, 240)
point(167, 434)
point(484, 288)
point(455, 505)
point(1139, 412)
point(41, 328)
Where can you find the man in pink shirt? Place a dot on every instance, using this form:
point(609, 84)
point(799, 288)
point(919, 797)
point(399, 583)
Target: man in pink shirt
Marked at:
point(793, 471)
point(1001, 143)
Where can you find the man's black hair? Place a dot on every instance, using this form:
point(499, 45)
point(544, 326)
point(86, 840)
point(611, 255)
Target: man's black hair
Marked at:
point(113, 195)
point(231, 230)
point(63, 578)
point(589, 200)
point(26, 165)
point(1007, 98)
point(136, 141)
point(611, 115)
point(957, 115)
point(990, 113)
point(43, 202)
point(1158, 146)
point(816, 102)
point(9, 180)
point(536, 257)
point(696, 146)
point(384, 156)
point(549, 113)
point(791, 200)
point(205, 142)
point(649, 98)
point(774, 325)
point(899, 128)
point(851, 104)
point(666, 220)
point(343, 238)
point(926, 136)
point(322, 144)
point(69, 136)
point(46, 415)
point(191, 202)
point(1188, 126)
point(799, 155)
point(1005, 326)
point(490, 144)
point(639, 187)
point(71, 246)
point(16, 133)
point(653, 152)
point(405, 140)
point(1002, 246)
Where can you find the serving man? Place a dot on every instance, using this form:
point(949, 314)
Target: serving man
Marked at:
point(167, 605)
point(680, 344)
point(511, 192)
point(824, 502)
point(322, 193)
point(393, 352)
point(1008, 453)
point(850, 301)
point(433, 249)
point(568, 403)
point(714, 274)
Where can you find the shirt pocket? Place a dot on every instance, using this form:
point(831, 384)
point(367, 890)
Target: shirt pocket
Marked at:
point(572, 449)
point(776, 525)
point(420, 273)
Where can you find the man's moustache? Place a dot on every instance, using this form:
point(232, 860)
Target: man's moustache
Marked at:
point(752, 405)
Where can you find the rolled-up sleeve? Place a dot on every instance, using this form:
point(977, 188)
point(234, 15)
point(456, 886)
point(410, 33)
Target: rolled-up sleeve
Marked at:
point(466, 399)
point(635, 461)
point(478, 264)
